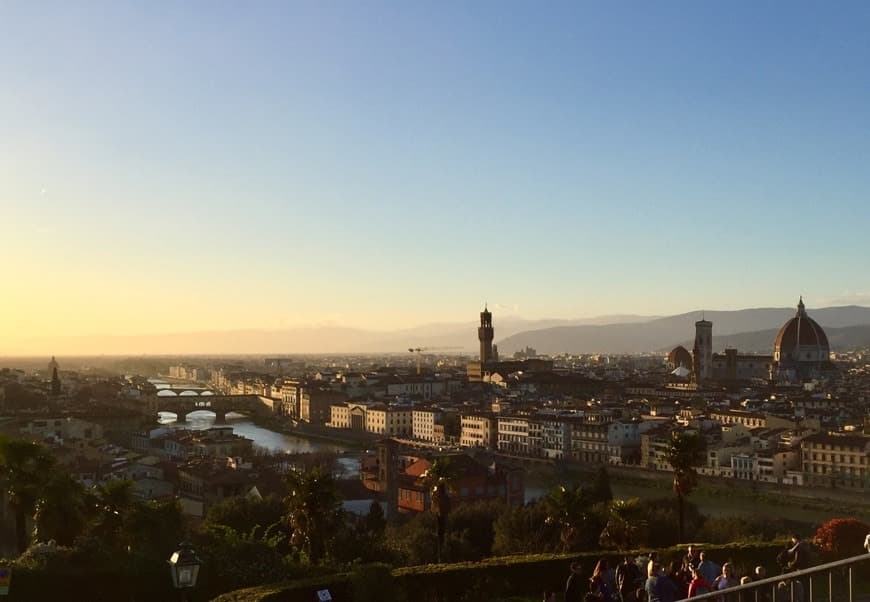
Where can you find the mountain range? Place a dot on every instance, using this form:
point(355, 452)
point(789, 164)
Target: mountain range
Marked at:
point(746, 330)
point(751, 330)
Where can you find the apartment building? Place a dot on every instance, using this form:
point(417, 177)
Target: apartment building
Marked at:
point(513, 435)
point(836, 460)
point(423, 422)
point(315, 404)
point(391, 421)
point(478, 430)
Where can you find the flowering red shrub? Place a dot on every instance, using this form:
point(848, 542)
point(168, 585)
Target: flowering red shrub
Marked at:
point(842, 537)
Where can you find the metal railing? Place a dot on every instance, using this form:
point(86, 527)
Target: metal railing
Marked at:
point(794, 586)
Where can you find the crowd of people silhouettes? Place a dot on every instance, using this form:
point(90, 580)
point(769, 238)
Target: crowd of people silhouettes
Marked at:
point(647, 579)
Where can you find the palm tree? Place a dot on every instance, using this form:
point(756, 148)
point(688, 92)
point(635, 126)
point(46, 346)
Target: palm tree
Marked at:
point(25, 467)
point(685, 452)
point(439, 480)
point(114, 502)
point(568, 509)
point(313, 511)
point(625, 524)
point(62, 513)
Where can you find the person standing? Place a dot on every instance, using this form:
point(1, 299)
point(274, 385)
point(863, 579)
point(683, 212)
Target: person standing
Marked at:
point(628, 579)
point(799, 554)
point(659, 587)
point(708, 569)
point(800, 557)
point(680, 579)
point(574, 586)
point(726, 580)
point(690, 560)
point(599, 581)
point(698, 585)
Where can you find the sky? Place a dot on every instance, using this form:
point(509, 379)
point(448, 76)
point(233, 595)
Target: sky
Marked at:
point(175, 167)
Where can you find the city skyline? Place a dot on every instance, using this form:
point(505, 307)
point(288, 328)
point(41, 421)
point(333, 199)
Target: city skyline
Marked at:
point(211, 168)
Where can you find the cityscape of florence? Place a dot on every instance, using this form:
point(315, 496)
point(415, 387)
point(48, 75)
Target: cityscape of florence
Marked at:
point(467, 301)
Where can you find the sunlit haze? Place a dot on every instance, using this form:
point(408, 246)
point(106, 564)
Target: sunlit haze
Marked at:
point(205, 166)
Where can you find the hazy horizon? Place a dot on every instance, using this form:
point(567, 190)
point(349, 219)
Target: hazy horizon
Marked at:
point(214, 167)
point(458, 336)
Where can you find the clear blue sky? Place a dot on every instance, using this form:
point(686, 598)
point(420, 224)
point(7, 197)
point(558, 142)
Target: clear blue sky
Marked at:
point(171, 166)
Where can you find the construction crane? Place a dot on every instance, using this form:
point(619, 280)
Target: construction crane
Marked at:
point(419, 351)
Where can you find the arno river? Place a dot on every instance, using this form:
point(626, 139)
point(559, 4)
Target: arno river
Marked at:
point(242, 425)
point(265, 438)
point(348, 460)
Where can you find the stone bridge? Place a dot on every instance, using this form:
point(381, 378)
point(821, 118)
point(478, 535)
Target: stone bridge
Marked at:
point(221, 405)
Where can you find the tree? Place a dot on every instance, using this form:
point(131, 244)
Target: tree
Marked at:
point(601, 491)
point(375, 521)
point(414, 541)
point(571, 510)
point(473, 524)
point(439, 482)
point(313, 512)
point(524, 529)
point(244, 513)
point(25, 468)
point(626, 525)
point(685, 452)
point(63, 512)
point(114, 503)
point(232, 559)
point(151, 530)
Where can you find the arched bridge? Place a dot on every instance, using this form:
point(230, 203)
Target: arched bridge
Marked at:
point(221, 405)
point(192, 391)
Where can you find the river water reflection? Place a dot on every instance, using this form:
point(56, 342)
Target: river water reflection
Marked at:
point(266, 439)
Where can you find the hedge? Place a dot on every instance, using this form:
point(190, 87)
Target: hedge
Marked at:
point(489, 579)
point(94, 585)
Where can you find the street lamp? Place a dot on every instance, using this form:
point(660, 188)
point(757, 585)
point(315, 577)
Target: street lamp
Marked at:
point(184, 566)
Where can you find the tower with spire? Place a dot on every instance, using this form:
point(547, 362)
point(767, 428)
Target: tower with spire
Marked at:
point(485, 335)
point(703, 350)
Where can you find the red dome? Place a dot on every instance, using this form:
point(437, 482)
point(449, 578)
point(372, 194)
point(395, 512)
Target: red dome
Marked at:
point(800, 331)
point(680, 356)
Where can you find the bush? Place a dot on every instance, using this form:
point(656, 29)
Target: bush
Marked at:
point(661, 518)
point(372, 583)
point(724, 529)
point(841, 538)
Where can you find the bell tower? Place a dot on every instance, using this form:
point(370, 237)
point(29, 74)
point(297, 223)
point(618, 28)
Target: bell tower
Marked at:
point(485, 334)
point(703, 350)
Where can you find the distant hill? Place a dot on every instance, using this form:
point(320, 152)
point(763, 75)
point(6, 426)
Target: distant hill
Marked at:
point(754, 328)
point(747, 329)
point(450, 337)
point(761, 341)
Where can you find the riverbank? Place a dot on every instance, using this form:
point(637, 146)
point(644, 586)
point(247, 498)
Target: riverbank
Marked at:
point(350, 439)
point(713, 497)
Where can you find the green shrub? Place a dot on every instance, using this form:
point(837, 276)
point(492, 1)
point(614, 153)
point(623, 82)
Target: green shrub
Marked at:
point(372, 583)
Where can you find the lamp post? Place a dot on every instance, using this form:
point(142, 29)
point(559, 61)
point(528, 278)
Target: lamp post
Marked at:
point(184, 566)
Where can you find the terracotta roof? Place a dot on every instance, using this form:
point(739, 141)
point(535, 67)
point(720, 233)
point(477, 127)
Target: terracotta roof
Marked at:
point(842, 440)
point(418, 468)
point(680, 356)
point(800, 330)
